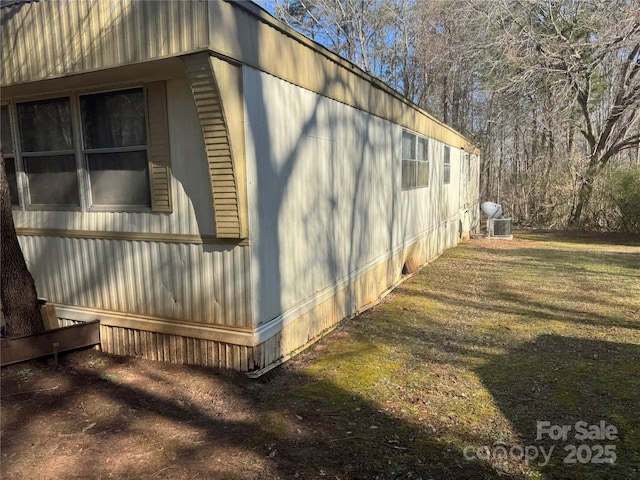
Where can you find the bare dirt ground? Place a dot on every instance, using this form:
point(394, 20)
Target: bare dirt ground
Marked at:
point(99, 416)
point(96, 416)
point(472, 350)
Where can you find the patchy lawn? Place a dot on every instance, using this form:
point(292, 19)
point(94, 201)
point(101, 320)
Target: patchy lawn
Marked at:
point(446, 378)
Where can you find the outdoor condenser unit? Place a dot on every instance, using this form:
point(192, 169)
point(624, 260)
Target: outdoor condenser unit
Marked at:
point(500, 228)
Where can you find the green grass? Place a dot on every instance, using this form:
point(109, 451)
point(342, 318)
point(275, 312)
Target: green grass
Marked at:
point(473, 351)
point(109, 378)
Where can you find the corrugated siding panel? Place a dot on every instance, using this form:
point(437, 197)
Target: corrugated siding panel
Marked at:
point(170, 281)
point(160, 161)
point(216, 140)
point(49, 38)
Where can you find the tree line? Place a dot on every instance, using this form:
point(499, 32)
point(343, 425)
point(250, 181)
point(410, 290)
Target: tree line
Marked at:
point(548, 89)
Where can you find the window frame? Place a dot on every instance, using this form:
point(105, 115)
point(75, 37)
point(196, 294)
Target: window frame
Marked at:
point(415, 161)
point(85, 152)
point(14, 154)
point(446, 165)
point(25, 199)
point(80, 153)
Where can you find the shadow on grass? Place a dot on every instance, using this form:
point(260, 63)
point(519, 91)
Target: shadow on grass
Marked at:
point(575, 261)
point(593, 238)
point(564, 380)
point(300, 426)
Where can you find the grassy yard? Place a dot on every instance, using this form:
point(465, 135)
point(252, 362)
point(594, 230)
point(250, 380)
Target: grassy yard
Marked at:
point(448, 378)
point(477, 348)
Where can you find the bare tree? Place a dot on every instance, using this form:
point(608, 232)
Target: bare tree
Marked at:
point(549, 89)
point(587, 56)
point(375, 35)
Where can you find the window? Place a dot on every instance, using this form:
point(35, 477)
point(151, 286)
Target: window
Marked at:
point(468, 168)
point(6, 145)
point(115, 145)
point(446, 173)
point(90, 151)
point(46, 141)
point(415, 161)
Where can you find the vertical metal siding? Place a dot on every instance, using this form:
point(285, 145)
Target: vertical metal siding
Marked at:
point(191, 283)
point(49, 38)
point(182, 350)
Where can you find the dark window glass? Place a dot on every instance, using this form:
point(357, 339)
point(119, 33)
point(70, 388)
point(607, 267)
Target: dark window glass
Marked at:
point(10, 168)
point(52, 180)
point(446, 174)
point(408, 145)
point(408, 174)
point(423, 164)
point(45, 125)
point(119, 178)
point(423, 174)
point(422, 149)
point(114, 119)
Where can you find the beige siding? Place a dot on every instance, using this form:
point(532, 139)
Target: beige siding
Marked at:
point(48, 39)
point(98, 34)
point(324, 184)
point(195, 284)
point(176, 349)
point(297, 330)
point(159, 149)
point(243, 32)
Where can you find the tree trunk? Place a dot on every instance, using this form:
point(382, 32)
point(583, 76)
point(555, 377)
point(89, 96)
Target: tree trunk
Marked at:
point(18, 291)
point(584, 195)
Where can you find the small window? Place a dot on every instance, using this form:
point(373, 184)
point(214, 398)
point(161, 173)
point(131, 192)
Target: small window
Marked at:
point(423, 163)
point(46, 140)
point(115, 145)
point(6, 145)
point(409, 174)
point(446, 173)
point(415, 161)
point(468, 168)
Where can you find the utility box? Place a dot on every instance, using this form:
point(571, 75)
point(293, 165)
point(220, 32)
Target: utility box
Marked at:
point(499, 228)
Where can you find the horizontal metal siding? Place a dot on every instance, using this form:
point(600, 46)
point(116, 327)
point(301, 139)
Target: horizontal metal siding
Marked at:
point(191, 283)
point(52, 38)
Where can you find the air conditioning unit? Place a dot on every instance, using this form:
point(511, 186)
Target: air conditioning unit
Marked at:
point(499, 228)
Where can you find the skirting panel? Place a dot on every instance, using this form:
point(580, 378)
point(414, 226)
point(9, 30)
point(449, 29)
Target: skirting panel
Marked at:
point(175, 349)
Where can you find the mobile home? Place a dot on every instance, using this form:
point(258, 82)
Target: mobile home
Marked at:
point(214, 187)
